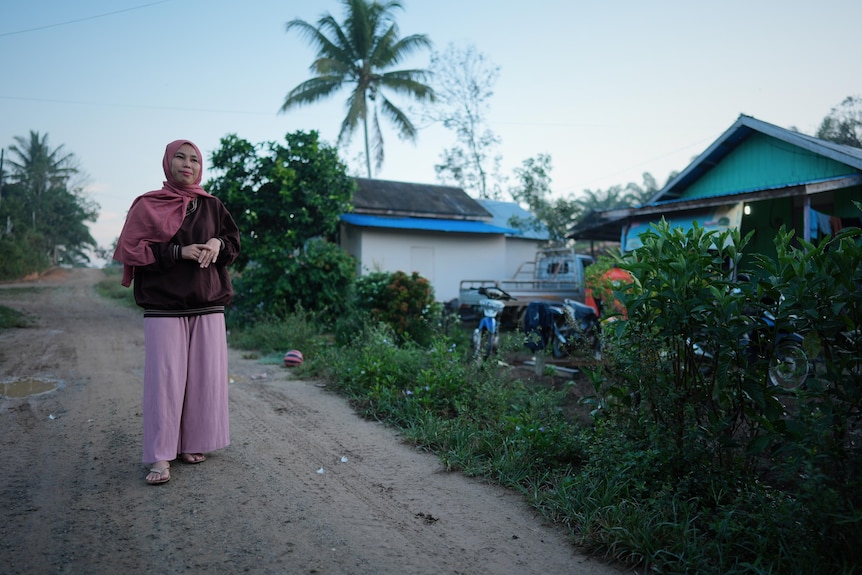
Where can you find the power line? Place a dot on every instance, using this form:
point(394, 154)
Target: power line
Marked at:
point(67, 22)
point(135, 106)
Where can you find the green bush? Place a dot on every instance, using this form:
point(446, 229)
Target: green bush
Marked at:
point(22, 255)
point(403, 302)
point(315, 278)
point(731, 465)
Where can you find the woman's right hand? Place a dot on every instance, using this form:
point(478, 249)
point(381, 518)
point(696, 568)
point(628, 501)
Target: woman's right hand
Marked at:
point(201, 253)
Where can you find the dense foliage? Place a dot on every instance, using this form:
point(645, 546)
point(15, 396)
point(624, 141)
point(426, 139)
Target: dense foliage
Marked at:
point(43, 210)
point(405, 303)
point(703, 422)
point(286, 200)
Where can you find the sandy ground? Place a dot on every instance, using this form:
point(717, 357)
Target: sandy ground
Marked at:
point(74, 498)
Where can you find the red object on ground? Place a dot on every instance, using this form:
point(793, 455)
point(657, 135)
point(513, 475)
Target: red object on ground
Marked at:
point(293, 358)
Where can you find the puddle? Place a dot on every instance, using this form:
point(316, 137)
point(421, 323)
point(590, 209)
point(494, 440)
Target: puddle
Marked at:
point(26, 387)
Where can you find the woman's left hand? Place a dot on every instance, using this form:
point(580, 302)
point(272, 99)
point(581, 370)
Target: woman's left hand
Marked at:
point(209, 253)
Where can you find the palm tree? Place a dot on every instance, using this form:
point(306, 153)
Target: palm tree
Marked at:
point(38, 168)
point(357, 52)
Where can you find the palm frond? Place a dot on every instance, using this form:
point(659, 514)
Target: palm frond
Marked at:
point(356, 111)
point(408, 83)
point(335, 67)
point(395, 50)
point(312, 90)
point(339, 49)
point(341, 46)
point(377, 141)
point(406, 129)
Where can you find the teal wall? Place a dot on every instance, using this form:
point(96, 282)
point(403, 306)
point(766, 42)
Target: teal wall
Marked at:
point(762, 162)
point(765, 219)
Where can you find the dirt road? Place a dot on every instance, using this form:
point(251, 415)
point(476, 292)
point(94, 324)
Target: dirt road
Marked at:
point(306, 486)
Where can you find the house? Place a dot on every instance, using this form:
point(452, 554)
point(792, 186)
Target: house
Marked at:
point(437, 231)
point(754, 177)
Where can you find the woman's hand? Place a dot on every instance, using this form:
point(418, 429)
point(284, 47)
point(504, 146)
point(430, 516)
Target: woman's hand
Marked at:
point(204, 254)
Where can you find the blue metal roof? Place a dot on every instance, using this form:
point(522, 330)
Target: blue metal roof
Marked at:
point(503, 212)
point(427, 224)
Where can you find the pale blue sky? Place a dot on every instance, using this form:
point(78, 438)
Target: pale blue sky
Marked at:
point(610, 89)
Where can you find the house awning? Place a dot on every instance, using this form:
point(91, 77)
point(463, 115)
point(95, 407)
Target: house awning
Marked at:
point(427, 224)
point(716, 218)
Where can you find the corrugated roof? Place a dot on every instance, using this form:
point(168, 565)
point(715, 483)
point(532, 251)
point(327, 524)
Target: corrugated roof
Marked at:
point(739, 131)
point(606, 224)
point(503, 212)
point(428, 224)
point(384, 197)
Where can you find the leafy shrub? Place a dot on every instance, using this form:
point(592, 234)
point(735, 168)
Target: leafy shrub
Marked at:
point(22, 255)
point(286, 199)
point(694, 434)
point(314, 278)
point(403, 302)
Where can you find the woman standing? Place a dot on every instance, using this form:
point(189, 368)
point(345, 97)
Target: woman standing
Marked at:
point(176, 245)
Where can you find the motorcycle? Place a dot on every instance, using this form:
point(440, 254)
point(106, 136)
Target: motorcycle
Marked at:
point(568, 328)
point(486, 336)
point(788, 364)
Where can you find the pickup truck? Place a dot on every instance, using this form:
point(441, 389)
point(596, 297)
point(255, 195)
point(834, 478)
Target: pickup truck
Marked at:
point(556, 274)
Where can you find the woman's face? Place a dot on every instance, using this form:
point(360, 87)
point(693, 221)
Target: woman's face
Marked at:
point(185, 166)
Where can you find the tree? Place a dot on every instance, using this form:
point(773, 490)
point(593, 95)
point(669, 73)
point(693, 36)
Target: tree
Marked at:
point(600, 200)
point(360, 51)
point(636, 195)
point(37, 166)
point(286, 200)
point(615, 197)
point(843, 125)
point(463, 83)
point(44, 207)
point(534, 190)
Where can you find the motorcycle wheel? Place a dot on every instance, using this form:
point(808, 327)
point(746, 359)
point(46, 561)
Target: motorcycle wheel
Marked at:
point(559, 348)
point(789, 366)
point(483, 345)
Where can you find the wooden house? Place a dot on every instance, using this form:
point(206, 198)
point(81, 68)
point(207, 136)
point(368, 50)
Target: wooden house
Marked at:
point(755, 177)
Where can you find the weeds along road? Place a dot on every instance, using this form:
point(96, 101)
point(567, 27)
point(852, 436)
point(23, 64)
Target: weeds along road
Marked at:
point(305, 487)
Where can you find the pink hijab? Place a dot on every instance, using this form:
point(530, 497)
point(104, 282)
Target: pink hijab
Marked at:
point(156, 216)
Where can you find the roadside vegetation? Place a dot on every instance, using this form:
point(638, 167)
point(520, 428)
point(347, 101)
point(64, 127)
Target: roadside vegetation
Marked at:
point(10, 318)
point(680, 467)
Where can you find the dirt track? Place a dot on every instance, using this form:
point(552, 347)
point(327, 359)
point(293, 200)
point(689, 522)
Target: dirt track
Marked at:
point(74, 499)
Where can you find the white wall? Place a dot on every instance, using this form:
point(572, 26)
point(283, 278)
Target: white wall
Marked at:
point(443, 258)
point(518, 251)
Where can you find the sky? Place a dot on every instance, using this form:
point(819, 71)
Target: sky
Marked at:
point(608, 89)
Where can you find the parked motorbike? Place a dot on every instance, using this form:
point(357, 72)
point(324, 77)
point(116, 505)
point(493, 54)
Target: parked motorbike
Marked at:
point(486, 336)
point(788, 364)
point(568, 328)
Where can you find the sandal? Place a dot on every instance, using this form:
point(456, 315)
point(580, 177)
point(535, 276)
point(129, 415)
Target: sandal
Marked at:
point(193, 458)
point(164, 475)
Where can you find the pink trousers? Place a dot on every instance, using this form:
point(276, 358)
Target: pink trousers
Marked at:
point(185, 386)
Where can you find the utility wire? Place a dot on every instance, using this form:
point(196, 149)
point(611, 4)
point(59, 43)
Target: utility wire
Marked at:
point(138, 106)
point(67, 22)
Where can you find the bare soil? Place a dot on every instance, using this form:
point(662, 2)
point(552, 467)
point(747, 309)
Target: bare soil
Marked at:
point(306, 486)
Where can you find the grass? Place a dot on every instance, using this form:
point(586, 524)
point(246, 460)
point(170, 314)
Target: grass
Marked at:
point(111, 288)
point(12, 318)
point(530, 434)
